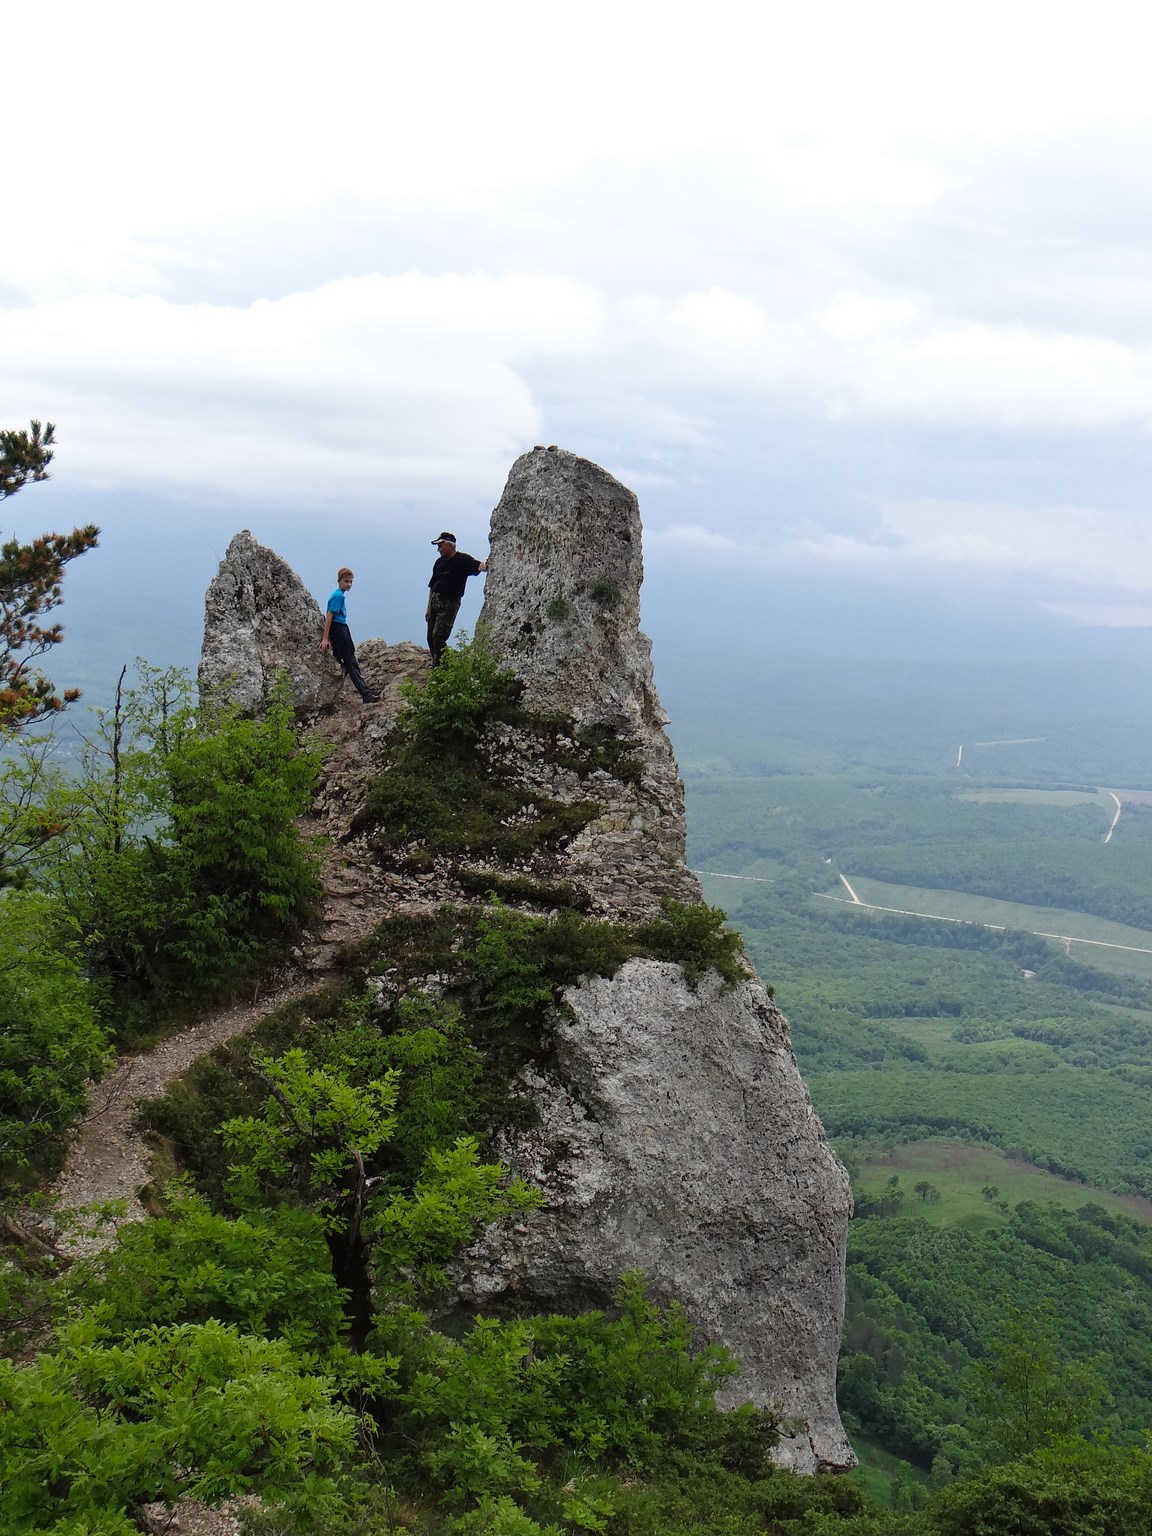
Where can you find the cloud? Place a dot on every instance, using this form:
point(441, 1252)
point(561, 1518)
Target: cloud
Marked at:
point(1078, 545)
point(405, 382)
point(1029, 550)
point(1104, 615)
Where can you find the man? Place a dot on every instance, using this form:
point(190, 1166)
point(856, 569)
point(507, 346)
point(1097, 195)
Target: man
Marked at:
point(446, 590)
point(338, 637)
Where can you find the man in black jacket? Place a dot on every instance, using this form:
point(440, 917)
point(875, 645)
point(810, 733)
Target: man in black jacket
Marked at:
point(446, 590)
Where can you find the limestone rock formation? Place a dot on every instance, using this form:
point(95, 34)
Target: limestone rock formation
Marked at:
point(675, 1132)
point(259, 621)
point(562, 595)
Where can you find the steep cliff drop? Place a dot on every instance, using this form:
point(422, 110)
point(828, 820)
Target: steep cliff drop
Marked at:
point(675, 1132)
point(672, 1130)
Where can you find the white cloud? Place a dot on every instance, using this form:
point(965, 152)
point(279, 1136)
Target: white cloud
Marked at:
point(1005, 375)
point(410, 381)
point(682, 239)
point(1079, 545)
point(955, 542)
point(1104, 615)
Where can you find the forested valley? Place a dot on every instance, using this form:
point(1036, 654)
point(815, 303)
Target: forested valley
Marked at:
point(989, 1087)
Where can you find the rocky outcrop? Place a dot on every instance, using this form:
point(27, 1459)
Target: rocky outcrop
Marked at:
point(676, 1136)
point(261, 621)
point(562, 595)
point(675, 1133)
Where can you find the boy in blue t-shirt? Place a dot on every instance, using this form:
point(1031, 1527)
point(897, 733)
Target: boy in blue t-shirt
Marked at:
point(338, 637)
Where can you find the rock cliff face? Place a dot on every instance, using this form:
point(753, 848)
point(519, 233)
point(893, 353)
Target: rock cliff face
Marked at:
point(259, 621)
point(674, 1132)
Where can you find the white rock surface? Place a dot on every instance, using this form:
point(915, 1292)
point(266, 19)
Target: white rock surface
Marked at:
point(676, 1134)
point(562, 595)
point(260, 620)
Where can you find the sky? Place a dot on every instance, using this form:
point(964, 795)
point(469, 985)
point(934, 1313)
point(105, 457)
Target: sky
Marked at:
point(855, 297)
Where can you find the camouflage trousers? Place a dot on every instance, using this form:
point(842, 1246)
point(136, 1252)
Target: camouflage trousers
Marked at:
point(442, 613)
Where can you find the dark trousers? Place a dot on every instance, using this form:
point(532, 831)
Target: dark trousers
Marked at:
point(442, 613)
point(340, 639)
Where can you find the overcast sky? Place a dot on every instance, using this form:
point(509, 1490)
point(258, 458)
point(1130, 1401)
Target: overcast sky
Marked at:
point(855, 292)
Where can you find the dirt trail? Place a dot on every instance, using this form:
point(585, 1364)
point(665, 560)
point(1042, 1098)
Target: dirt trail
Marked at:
point(108, 1158)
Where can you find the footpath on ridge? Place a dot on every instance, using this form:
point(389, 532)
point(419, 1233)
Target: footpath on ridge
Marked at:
point(108, 1158)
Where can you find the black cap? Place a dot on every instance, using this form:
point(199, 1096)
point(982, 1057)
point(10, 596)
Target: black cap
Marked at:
point(444, 538)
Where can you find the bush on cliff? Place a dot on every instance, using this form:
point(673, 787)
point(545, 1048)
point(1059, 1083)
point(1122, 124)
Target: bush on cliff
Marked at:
point(177, 869)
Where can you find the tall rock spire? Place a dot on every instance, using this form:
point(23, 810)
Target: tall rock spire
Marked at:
point(562, 596)
point(670, 1128)
point(675, 1133)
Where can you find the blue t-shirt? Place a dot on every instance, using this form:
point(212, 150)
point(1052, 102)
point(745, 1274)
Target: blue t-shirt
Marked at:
point(336, 607)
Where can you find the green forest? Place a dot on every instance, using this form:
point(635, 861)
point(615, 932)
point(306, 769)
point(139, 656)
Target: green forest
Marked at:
point(989, 1089)
point(277, 1333)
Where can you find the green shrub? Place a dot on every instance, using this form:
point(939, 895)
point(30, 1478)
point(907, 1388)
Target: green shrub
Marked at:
point(1074, 1490)
point(447, 788)
point(50, 1040)
point(91, 1429)
point(695, 937)
point(267, 1273)
point(601, 1390)
point(178, 866)
point(459, 696)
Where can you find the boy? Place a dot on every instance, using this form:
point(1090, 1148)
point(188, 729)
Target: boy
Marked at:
point(338, 637)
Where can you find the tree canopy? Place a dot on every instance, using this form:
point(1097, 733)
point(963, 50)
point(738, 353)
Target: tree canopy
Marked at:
point(30, 587)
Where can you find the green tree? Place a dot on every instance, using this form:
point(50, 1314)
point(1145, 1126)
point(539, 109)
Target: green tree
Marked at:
point(176, 859)
point(30, 586)
point(318, 1141)
point(92, 1430)
point(1075, 1489)
point(1026, 1396)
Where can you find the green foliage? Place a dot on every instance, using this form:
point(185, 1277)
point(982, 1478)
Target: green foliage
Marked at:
point(25, 457)
point(448, 788)
point(604, 593)
point(696, 938)
point(51, 1043)
point(30, 586)
point(177, 866)
point(314, 1138)
point(977, 1342)
point(93, 1428)
point(558, 608)
point(414, 1235)
point(483, 1417)
point(457, 1064)
point(1073, 1490)
point(268, 1273)
point(318, 1141)
point(460, 696)
point(1025, 1397)
point(587, 749)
